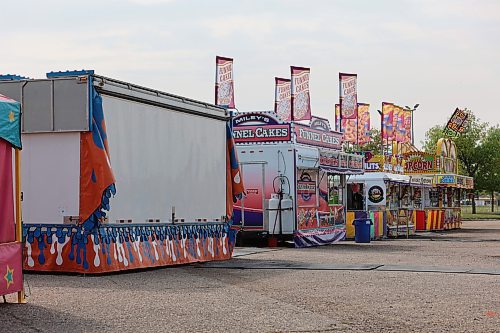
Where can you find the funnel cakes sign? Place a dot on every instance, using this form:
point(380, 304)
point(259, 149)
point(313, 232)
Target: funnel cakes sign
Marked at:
point(259, 127)
point(315, 137)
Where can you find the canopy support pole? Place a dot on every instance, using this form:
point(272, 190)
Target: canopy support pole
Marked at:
point(19, 224)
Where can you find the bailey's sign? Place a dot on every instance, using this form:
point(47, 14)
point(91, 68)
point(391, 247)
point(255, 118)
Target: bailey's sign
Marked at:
point(316, 137)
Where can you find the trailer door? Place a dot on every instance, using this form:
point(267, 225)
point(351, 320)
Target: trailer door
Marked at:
point(249, 213)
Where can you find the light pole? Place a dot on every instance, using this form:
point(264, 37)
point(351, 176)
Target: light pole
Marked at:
point(412, 110)
point(381, 132)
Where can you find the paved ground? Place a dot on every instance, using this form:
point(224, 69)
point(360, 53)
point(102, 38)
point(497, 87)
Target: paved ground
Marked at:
point(441, 282)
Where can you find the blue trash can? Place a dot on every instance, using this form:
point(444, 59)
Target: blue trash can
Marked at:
point(362, 230)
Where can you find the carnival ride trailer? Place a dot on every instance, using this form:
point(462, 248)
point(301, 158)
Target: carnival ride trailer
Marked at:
point(167, 163)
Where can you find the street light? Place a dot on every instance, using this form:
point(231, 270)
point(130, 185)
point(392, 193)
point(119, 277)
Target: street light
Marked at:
point(381, 132)
point(412, 110)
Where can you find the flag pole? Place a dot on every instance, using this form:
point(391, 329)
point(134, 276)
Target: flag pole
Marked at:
point(19, 224)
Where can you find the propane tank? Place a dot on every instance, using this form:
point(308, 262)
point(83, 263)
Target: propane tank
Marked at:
point(286, 214)
point(274, 226)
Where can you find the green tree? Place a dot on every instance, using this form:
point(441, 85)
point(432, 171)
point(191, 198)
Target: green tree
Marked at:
point(375, 144)
point(432, 135)
point(472, 157)
point(488, 175)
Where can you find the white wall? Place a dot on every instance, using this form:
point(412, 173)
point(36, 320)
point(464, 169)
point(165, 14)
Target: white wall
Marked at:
point(50, 171)
point(163, 158)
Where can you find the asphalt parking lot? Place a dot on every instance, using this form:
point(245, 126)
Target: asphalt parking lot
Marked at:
point(437, 282)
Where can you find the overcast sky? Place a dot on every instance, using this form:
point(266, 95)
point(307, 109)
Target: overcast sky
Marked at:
point(440, 54)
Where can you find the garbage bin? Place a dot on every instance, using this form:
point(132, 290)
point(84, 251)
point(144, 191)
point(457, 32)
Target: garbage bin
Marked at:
point(362, 230)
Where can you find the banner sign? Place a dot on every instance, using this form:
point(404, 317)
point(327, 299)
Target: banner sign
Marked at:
point(387, 121)
point(387, 163)
point(357, 130)
point(407, 125)
point(465, 182)
point(316, 237)
point(394, 164)
point(321, 124)
point(446, 179)
point(329, 159)
point(397, 123)
point(374, 163)
point(314, 137)
point(254, 118)
point(376, 193)
point(306, 187)
point(224, 87)
point(349, 130)
point(363, 135)
point(457, 123)
point(264, 133)
point(356, 162)
point(257, 127)
point(341, 161)
point(283, 99)
point(419, 162)
point(348, 95)
point(421, 180)
point(301, 100)
point(337, 117)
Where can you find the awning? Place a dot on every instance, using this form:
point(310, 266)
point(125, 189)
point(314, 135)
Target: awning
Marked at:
point(340, 170)
point(385, 176)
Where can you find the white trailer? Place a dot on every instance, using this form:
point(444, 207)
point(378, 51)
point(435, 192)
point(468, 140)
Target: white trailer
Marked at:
point(167, 154)
point(295, 179)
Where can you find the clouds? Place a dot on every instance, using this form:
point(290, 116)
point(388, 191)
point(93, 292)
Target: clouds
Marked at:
point(439, 54)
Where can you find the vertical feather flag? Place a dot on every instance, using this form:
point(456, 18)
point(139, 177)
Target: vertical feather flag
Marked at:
point(224, 85)
point(348, 95)
point(337, 117)
point(407, 125)
point(363, 123)
point(283, 99)
point(387, 121)
point(398, 124)
point(301, 98)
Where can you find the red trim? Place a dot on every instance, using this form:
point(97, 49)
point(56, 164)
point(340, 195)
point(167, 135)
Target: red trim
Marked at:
point(217, 58)
point(300, 68)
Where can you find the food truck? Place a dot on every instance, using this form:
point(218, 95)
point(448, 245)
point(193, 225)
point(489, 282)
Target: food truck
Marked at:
point(441, 202)
point(117, 176)
point(391, 196)
point(413, 191)
point(295, 179)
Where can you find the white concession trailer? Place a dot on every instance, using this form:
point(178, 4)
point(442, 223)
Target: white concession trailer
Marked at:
point(162, 159)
